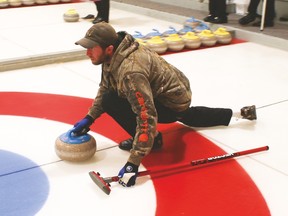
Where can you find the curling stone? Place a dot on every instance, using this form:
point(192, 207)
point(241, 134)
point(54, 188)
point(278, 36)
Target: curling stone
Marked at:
point(191, 40)
point(28, 2)
point(175, 43)
point(4, 3)
point(191, 22)
point(15, 3)
point(202, 26)
point(207, 38)
point(53, 1)
point(71, 16)
point(223, 36)
point(170, 31)
point(75, 148)
point(185, 30)
point(140, 41)
point(138, 35)
point(157, 44)
point(41, 1)
point(152, 34)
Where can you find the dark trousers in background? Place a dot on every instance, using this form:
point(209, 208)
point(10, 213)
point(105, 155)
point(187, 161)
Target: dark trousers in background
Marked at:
point(103, 8)
point(270, 9)
point(217, 8)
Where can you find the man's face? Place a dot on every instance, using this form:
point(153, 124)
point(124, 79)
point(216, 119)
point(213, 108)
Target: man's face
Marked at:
point(97, 55)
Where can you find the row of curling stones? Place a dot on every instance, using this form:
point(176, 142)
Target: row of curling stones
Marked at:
point(190, 25)
point(221, 35)
point(17, 3)
point(190, 40)
point(74, 148)
point(195, 25)
point(173, 43)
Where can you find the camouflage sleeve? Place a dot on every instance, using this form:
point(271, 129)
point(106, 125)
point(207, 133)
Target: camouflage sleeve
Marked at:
point(96, 109)
point(139, 94)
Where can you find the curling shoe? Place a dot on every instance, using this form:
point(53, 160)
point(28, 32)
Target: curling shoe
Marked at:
point(88, 17)
point(219, 20)
point(247, 19)
point(127, 144)
point(249, 112)
point(99, 20)
point(209, 18)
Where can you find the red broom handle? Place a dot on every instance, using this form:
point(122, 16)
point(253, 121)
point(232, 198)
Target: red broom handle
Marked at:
point(206, 160)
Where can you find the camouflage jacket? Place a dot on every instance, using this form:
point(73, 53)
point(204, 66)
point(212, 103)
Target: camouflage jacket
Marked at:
point(141, 76)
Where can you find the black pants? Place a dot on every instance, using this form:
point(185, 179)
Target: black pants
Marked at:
point(270, 9)
point(217, 8)
point(120, 110)
point(103, 8)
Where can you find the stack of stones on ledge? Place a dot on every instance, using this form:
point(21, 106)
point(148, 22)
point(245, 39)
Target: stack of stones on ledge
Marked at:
point(19, 3)
point(194, 34)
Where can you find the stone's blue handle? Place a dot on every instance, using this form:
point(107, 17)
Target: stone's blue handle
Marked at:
point(70, 138)
point(70, 134)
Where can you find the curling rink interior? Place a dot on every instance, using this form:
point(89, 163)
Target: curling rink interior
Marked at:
point(40, 103)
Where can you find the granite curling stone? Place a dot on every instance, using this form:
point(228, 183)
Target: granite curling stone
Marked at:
point(207, 38)
point(71, 16)
point(191, 40)
point(28, 2)
point(15, 3)
point(175, 43)
point(53, 1)
point(75, 148)
point(4, 3)
point(41, 1)
point(157, 44)
point(191, 22)
point(223, 36)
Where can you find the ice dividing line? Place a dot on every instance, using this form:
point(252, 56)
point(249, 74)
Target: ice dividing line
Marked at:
point(45, 164)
